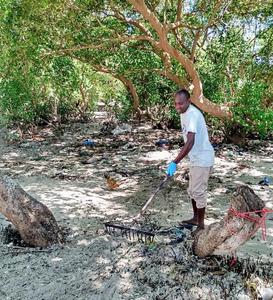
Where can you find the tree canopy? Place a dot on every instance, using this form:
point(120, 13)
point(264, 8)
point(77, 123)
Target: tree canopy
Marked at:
point(60, 57)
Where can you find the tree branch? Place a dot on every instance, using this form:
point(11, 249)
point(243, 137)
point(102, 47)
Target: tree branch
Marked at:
point(120, 16)
point(180, 82)
point(194, 44)
point(127, 83)
point(179, 10)
point(100, 46)
point(197, 95)
point(180, 24)
point(180, 41)
point(142, 8)
point(211, 20)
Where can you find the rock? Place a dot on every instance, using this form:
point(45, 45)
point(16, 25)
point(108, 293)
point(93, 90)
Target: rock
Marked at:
point(254, 142)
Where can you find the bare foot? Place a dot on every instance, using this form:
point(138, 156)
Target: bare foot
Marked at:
point(189, 222)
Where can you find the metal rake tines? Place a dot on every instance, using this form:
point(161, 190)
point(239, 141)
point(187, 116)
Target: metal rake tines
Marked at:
point(130, 232)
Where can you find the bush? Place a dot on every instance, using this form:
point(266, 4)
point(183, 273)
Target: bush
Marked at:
point(250, 112)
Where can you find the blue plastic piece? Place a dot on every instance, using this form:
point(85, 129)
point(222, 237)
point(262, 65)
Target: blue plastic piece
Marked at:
point(89, 143)
point(266, 181)
point(215, 146)
point(162, 142)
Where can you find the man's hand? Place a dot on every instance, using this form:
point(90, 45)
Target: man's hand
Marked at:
point(171, 169)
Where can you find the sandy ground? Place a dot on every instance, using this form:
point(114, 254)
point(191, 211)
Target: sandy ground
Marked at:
point(95, 265)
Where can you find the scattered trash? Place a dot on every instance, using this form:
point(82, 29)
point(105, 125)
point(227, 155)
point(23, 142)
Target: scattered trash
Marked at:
point(92, 201)
point(107, 126)
point(162, 143)
point(266, 181)
point(128, 146)
point(64, 176)
point(124, 128)
point(179, 235)
point(89, 143)
point(112, 183)
point(242, 166)
point(215, 146)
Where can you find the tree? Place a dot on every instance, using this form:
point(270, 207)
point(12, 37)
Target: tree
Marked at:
point(215, 49)
point(158, 34)
point(33, 220)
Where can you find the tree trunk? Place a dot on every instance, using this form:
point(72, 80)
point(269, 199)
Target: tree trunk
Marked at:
point(132, 90)
point(197, 98)
point(127, 83)
point(34, 221)
point(226, 236)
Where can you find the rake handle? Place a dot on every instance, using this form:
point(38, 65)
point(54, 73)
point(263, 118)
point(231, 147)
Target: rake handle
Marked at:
point(144, 208)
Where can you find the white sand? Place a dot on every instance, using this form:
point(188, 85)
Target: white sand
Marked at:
point(92, 265)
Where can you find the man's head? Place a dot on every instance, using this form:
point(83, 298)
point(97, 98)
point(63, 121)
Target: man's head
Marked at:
point(182, 100)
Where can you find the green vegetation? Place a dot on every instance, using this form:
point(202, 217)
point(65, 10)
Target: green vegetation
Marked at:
point(59, 58)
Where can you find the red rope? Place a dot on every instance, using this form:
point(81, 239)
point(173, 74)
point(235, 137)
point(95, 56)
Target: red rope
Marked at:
point(260, 221)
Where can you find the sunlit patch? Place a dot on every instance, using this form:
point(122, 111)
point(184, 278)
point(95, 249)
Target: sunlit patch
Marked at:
point(253, 172)
point(158, 155)
point(83, 243)
point(56, 259)
point(11, 155)
point(103, 260)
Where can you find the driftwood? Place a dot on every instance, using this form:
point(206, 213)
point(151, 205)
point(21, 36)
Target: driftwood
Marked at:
point(226, 236)
point(33, 220)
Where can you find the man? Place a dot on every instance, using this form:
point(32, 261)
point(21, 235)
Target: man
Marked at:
point(200, 152)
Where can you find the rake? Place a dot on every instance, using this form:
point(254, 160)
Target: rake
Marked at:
point(140, 234)
point(144, 208)
point(132, 232)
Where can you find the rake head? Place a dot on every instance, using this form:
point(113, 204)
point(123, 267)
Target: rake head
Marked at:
point(175, 234)
point(130, 232)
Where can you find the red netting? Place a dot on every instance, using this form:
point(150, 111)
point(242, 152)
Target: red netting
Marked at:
point(260, 221)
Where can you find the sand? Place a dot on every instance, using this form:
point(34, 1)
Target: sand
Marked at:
point(94, 265)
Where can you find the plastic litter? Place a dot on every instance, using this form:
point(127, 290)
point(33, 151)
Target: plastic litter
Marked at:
point(89, 143)
point(162, 142)
point(266, 181)
point(215, 146)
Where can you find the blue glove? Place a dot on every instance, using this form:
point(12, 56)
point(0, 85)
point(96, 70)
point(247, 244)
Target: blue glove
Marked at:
point(171, 169)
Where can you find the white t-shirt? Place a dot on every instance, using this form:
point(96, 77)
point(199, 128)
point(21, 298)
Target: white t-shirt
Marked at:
point(202, 153)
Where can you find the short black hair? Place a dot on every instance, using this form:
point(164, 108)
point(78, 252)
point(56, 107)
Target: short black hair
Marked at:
point(183, 92)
